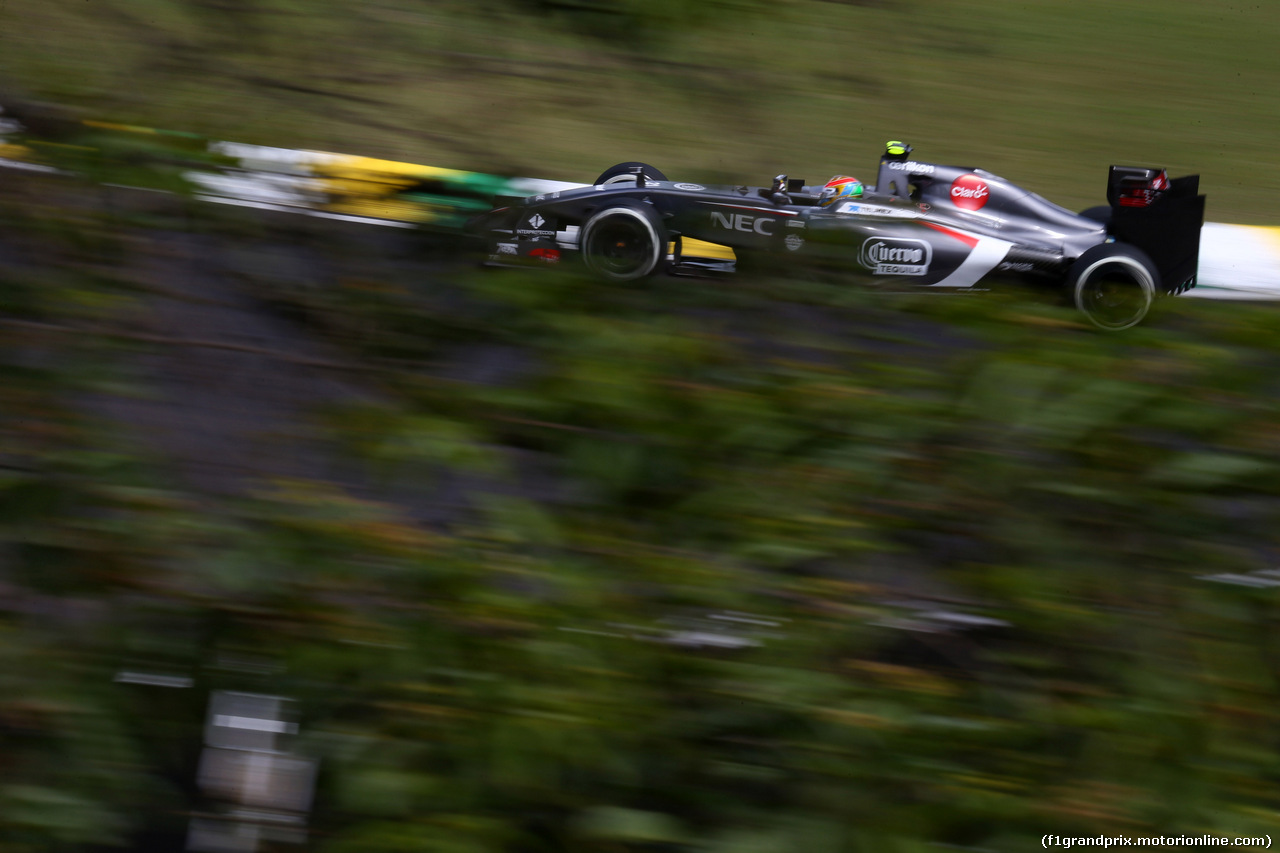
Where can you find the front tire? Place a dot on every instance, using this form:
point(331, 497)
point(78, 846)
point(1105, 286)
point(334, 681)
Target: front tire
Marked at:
point(1114, 285)
point(622, 173)
point(624, 242)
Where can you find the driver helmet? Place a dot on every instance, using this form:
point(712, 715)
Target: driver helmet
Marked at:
point(840, 187)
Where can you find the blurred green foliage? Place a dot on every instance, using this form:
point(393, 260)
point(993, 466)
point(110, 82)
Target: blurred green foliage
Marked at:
point(643, 22)
point(529, 676)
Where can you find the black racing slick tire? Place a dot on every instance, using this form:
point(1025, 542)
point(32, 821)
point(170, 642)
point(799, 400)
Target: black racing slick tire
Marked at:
point(622, 173)
point(623, 242)
point(1114, 285)
point(1101, 213)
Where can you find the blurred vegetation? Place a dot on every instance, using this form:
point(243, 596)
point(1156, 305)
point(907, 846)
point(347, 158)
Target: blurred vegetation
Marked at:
point(972, 538)
point(1047, 93)
point(846, 475)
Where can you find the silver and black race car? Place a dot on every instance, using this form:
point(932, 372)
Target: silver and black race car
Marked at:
point(923, 225)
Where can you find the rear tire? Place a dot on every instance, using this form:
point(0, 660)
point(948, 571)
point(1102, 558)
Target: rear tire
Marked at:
point(622, 173)
point(624, 242)
point(1114, 285)
point(1102, 214)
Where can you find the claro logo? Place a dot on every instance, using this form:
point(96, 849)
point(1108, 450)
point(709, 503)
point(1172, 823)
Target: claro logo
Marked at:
point(969, 192)
point(895, 256)
point(743, 222)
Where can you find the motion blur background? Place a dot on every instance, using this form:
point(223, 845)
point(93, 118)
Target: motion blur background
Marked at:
point(1048, 91)
point(314, 537)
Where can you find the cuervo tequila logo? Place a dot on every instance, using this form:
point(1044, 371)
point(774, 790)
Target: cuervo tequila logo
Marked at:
point(896, 256)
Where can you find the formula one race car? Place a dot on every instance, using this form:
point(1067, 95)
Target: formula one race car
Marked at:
point(923, 225)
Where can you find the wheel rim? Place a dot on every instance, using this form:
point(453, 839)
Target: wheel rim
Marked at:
point(621, 246)
point(1115, 294)
point(623, 179)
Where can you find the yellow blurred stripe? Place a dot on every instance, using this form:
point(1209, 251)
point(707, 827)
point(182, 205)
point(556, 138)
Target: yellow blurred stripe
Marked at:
point(370, 168)
point(1267, 234)
point(110, 125)
point(401, 211)
point(702, 249)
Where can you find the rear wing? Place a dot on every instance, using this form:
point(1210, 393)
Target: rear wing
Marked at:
point(1160, 216)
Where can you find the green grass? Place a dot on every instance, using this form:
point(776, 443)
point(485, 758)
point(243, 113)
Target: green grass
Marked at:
point(1046, 92)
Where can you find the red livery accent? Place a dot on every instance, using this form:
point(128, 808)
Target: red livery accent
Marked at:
point(1134, 192)
point(968, 239)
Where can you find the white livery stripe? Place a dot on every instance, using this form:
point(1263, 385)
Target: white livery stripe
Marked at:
point(981, 260)
point(1238, 262)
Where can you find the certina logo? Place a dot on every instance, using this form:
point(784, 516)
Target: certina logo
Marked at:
point(794, 242)
point(895, 256)
point(911, 166)
point(743, 222)
point(969, 192)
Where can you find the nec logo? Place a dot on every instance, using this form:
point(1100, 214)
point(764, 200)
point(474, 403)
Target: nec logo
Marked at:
point(743, 222)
